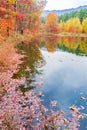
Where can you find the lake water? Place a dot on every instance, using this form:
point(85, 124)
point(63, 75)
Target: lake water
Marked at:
point(62, 62)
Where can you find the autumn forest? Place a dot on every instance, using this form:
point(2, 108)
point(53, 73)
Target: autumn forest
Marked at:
point(43, 67)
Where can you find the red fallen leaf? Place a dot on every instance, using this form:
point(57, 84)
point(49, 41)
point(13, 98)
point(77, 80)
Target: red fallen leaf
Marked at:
point(62, 112)
point(53, 103)
point(38, 93)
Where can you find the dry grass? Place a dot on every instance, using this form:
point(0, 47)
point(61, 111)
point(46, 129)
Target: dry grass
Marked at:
point(8, 55)
point(7, 51)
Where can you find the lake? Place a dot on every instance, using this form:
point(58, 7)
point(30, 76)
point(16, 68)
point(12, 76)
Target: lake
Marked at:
point(62, 62)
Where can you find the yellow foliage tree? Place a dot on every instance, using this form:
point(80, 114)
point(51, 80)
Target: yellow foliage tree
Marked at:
point(84, 25)
point(73, 25)
point(62, 26)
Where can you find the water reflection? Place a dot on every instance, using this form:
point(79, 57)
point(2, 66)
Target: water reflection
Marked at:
point(74, 45)
point(70, 44)
point(63, 64)
point(51, 43)
point(32, 59)
point(65, 80)
point(65, 74)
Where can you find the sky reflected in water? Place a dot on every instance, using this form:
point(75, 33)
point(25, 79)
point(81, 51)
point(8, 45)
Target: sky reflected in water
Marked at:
point(65, 77)
point(63, 64)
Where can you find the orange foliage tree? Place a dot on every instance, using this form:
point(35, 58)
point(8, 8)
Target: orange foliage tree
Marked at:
point(6, 26)
point(6, 17)
point(52, 22)
point(19, 15)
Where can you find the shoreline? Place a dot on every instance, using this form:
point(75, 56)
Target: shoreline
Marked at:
point(66, 34)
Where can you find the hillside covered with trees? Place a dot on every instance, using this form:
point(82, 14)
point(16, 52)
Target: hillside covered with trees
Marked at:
point(81, 14)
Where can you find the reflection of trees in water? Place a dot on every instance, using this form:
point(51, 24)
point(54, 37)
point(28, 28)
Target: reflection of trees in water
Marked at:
point(83, 45)
point(70, 44)
point(74, 45)
point(51, 43)
point(32, 59)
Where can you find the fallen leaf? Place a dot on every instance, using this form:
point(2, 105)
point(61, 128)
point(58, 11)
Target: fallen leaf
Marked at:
point(83, 98)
